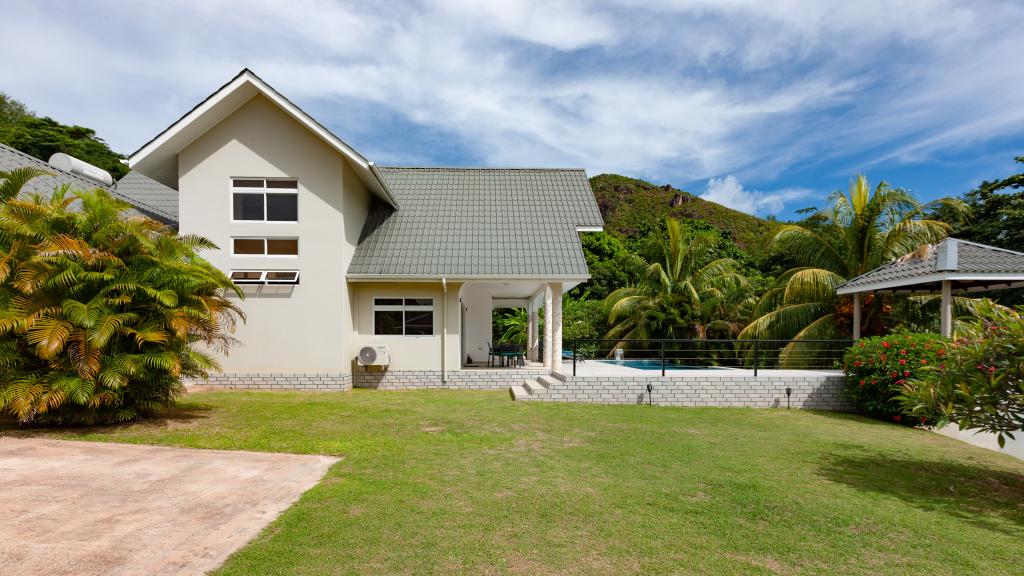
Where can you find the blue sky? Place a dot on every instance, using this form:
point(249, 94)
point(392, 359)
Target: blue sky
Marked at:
point(764, 106)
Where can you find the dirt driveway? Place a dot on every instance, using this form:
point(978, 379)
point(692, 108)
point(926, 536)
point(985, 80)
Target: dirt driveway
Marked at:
point(116, 509)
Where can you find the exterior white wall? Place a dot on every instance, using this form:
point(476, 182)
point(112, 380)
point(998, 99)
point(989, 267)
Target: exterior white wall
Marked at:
point(476, 298)
point(305, 329)
point(421, 353)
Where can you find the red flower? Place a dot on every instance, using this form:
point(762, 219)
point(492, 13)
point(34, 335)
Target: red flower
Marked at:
point(923, 419)
point(894, 374)
point(906, 373)
point(923, 361)
point(861, 381)
point(857, 363)
point(873, 381)
point(941, 352)
point(886, 344)
point(899, 382)
point(903, 352)
point(902, 361)
point(992, 369)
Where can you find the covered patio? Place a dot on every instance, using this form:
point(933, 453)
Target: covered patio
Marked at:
point(951, 267)
point(479, 299)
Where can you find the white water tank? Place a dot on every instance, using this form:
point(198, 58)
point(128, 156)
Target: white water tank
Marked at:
point(62, 161)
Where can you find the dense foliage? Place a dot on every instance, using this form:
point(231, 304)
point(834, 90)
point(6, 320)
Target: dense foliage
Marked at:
point(101, 314)
point(42, 137)
point(981, 384)
point(690, 292)
point(876, 369)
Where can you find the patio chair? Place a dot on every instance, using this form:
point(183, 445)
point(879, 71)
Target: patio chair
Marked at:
point(491, 354)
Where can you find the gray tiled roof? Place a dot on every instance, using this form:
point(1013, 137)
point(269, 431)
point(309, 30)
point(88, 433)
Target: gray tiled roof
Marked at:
point(970, 258)
point(140, 191)
point(478, 222)
point(143, 191)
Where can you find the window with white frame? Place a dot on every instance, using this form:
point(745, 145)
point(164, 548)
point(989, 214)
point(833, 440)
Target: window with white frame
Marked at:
point(264, 246)
point(265, 276)
point(264, 200)
point(403, 316)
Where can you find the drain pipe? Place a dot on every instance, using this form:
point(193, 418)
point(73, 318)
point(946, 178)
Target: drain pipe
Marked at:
point(444, 330)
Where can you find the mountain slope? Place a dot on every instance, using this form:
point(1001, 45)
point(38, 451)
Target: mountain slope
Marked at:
point(628, 204)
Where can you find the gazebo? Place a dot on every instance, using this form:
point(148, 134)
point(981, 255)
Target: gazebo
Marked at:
point(949, 267)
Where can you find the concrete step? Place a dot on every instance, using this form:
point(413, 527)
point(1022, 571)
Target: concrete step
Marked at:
point(518, 392)
point(548, 381)
point(535, 386)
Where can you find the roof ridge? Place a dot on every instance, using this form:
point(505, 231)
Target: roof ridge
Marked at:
point(480, 168)
point(987, 246)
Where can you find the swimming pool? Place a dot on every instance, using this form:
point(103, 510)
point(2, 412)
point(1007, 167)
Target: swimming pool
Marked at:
point(655, 364)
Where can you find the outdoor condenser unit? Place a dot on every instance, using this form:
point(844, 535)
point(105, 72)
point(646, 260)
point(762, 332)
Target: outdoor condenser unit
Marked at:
point(374, 356)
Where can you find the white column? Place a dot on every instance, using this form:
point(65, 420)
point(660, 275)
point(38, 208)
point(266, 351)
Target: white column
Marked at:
point(946, 310)
point(548, 334)
point(856, 315)
point(555, 320)
point(531, 332)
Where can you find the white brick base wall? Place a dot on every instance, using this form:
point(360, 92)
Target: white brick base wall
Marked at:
point(276, 381)
point(498, 379)
point(814, 391)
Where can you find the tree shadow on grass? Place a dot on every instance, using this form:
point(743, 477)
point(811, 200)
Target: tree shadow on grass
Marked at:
point(987, 497)
point(172, 417)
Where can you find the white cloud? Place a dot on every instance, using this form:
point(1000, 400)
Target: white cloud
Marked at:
point(678, 91)
point(728, 191)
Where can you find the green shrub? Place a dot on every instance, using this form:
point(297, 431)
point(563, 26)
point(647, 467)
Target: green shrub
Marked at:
point(102, 313)
point(981, 383)
point(876, 368)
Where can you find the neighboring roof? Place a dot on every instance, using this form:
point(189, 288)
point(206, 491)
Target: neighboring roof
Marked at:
point(971, 266)
point(140, 191)
point(475, 223)
point(158, 157)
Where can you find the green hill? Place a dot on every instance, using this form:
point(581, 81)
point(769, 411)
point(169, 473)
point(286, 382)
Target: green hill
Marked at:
point(628, 204)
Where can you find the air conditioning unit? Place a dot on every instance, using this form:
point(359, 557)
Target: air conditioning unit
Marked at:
point(374, 356)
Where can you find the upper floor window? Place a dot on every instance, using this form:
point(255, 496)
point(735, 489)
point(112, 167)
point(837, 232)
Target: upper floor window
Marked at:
point(265, 200)
point(272, 246)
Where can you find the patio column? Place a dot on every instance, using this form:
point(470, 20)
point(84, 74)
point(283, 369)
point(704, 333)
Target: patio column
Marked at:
point(553, 323)
point(547, 325)
point(946, 309)
point(531, 332)
point(856, 315)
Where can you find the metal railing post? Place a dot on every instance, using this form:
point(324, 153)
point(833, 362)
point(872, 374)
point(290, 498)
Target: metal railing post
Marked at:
point(574, 357)
point(757, 358)
point(662, 358)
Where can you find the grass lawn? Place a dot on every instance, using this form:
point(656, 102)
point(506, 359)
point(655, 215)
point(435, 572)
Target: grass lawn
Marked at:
point(445, 482)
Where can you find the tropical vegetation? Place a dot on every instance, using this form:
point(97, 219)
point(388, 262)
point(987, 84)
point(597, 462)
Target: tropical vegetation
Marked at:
point(102, 313)
point(861, 230)
point(689, 293)
point(980, 384)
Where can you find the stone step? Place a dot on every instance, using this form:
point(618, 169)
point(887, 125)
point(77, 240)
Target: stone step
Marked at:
point(535, 386)
point(548, 381)
point(518, 392)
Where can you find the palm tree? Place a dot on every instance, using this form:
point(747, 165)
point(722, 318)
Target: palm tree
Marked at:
point(861, 231)
point(690, 294)
point(101, 314)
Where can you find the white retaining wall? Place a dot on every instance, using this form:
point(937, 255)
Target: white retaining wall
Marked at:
point(816, 390)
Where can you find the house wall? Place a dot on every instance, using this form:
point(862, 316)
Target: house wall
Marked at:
point(410, 353)
point(305, 329)
point(476, 298)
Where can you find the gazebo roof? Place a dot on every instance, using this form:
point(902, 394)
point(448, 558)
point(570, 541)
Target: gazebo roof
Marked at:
point(969, 266)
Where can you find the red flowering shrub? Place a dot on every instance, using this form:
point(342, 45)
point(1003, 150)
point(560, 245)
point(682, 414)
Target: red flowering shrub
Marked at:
point(876, 369)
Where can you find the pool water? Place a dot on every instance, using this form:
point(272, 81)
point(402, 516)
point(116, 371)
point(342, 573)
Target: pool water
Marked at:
point(656, 365)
